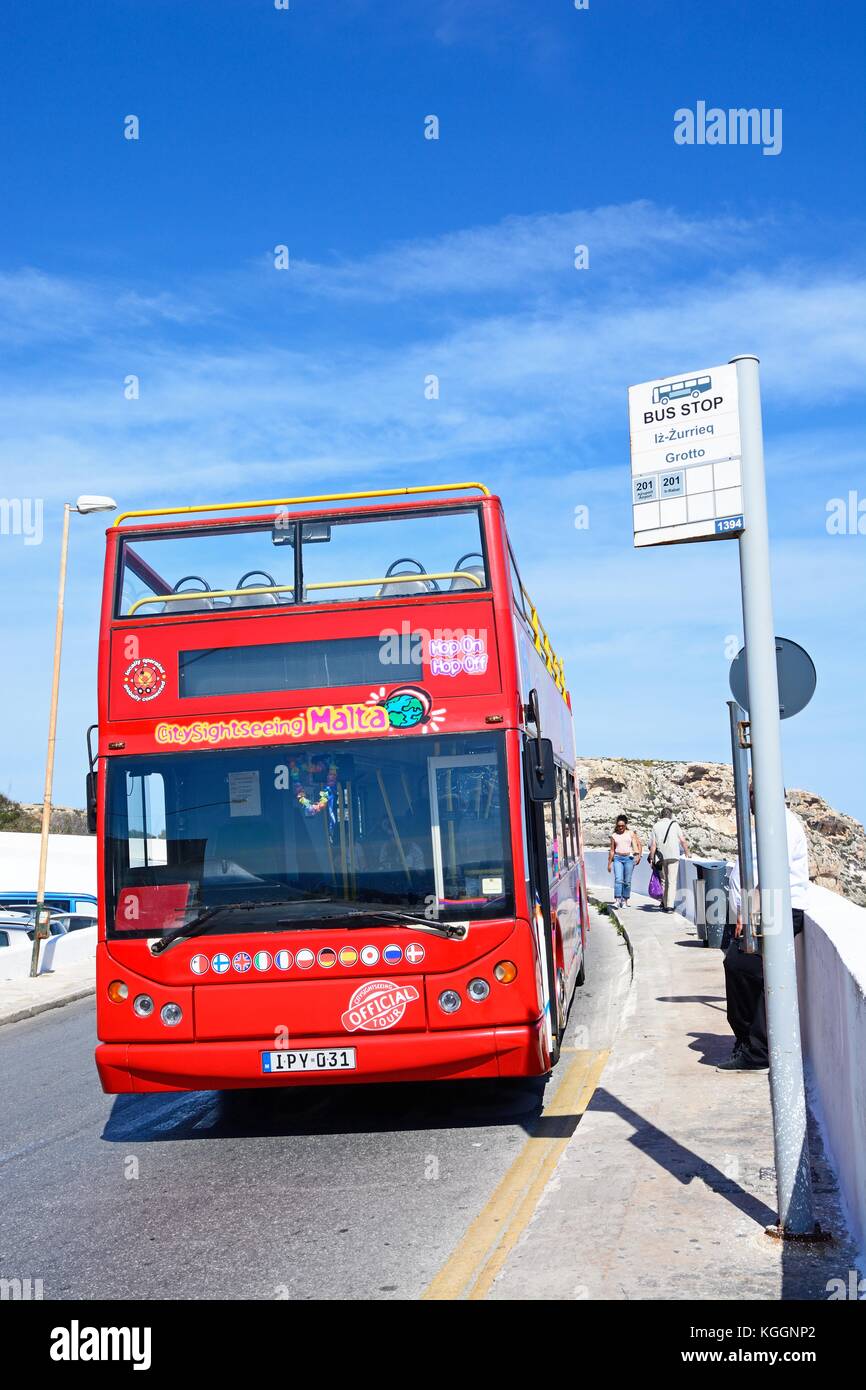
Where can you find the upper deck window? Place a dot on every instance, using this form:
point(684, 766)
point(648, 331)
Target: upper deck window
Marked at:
point(396, 557)
point(222, 569)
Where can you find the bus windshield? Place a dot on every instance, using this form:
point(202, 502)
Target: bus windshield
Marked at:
point(311, 831)
point(223, 568)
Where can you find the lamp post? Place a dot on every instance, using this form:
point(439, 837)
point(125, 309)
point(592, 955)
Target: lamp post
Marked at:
point(84, 505)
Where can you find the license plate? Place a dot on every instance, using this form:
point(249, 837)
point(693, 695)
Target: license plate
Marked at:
point(311, 1059)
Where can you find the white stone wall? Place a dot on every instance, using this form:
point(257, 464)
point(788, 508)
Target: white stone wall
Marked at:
point(831, 958)
point(56, 953)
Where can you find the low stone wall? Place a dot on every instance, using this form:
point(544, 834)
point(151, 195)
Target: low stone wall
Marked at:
point(831, 960)
point(57, 952)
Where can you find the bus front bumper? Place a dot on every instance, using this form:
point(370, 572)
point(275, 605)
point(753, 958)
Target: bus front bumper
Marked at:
point(218, 1066)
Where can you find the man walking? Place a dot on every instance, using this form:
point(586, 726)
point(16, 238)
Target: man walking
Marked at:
point(666, 841)
point(744, 974)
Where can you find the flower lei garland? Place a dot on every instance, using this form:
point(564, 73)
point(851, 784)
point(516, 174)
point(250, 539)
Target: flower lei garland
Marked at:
point(323, 800)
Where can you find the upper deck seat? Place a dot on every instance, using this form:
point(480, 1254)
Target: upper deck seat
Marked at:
point(460, 583)
point(188, 605)
point(196, 597)
point(253, 600)
point(255, 579)
point(413, 584)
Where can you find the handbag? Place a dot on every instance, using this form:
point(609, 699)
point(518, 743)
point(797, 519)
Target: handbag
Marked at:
point(655, 889)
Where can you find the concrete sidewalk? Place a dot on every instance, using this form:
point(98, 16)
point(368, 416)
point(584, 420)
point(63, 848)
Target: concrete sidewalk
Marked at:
point(24, 998)
point(668, 1181)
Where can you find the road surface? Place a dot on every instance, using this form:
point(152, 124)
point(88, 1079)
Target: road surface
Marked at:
point(338, 1192)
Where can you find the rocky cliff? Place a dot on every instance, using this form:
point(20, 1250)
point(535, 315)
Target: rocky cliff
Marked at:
point(65, 820)
point(702, 798)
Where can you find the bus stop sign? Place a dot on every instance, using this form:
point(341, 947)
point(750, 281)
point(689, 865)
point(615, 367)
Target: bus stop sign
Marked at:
point(795, 670)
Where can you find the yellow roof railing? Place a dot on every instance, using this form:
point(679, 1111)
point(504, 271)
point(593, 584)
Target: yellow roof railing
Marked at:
point(299, 501)
point(542, 646)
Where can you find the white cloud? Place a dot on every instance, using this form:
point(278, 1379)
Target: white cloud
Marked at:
point(519, 253)
point(38, 306)
point(542, 384)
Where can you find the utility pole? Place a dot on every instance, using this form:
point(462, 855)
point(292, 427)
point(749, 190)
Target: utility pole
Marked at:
point(41, 920)
point(41, 927)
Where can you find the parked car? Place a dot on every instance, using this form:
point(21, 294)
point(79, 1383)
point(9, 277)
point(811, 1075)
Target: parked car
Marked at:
point(23, 920)
point(58, 902)
point(16, 931)
point(71, 921)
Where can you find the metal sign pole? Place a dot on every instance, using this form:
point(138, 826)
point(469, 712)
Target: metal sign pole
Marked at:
point(790, 1138)
point(740, 765)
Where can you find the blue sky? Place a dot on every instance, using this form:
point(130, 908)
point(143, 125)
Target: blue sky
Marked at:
point(408, 256)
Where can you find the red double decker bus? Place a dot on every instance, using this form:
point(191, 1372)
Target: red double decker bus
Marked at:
point(338, 828)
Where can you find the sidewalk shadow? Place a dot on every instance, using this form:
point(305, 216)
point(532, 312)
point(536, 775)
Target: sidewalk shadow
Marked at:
point(713, 1047)
point(685, 1165)
point(712, 1001)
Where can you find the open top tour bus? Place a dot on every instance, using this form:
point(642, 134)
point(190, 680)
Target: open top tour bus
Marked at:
point(338, 831)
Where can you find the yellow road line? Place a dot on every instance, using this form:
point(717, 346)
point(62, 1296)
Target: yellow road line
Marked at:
point(471, 1269)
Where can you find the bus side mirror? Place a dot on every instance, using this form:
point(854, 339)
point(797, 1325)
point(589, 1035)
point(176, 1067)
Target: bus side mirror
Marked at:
point(542, 769)
point(90, 802)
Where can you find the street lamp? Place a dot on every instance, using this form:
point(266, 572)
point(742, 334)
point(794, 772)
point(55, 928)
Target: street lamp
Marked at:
point(85, 505)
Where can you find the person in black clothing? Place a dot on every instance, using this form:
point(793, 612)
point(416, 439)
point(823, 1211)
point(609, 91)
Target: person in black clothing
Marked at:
point(744, 973)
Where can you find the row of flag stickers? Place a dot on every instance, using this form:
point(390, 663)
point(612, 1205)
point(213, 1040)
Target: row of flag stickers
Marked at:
point(327, 958)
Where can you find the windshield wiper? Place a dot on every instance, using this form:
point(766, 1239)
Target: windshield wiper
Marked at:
point(455, 931)
point(200, 923)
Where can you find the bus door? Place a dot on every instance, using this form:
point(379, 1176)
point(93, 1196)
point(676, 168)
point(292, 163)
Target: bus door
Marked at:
point(536, 786)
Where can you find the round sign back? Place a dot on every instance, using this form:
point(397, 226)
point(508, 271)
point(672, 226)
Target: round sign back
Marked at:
point(796, 672)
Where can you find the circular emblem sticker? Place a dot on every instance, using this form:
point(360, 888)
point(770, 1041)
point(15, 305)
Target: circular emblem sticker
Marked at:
point(262, 960)
point(327, 958)
point(305, 959)
point(369, 955)
point(348, 956)
point(377, 1005)
point(241, 961)
point(220, 962)
point(144, 678)
point(284, 960)
point(199, 965)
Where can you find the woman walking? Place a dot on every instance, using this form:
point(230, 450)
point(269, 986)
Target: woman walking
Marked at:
point(624, 852)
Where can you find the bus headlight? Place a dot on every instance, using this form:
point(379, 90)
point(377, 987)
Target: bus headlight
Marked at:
point(142, 1005)
point(505, 971)
point(449, 1001)
point(171, 1015)
point(477, 990)
point(117, 991)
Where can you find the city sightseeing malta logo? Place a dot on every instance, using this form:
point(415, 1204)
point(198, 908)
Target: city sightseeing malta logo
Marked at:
point(144, 678)
point(377, 1005)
